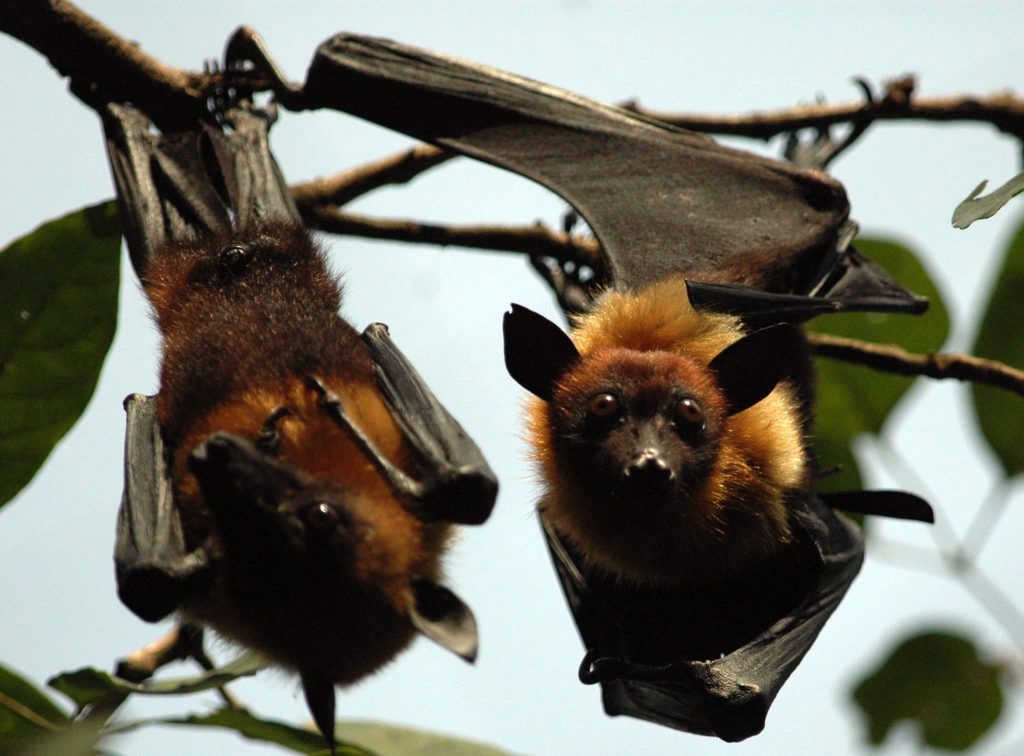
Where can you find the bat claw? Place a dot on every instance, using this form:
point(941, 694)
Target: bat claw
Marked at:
point(399, 482)
point(268, 440)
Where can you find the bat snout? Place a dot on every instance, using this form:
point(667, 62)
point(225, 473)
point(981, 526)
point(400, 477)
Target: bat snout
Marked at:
point(649, 470)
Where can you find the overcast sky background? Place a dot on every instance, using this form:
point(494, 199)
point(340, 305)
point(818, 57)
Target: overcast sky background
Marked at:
point(60, 611)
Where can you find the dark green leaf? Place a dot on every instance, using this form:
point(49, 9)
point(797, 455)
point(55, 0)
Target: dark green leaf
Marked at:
point(89, 685)
point(853, 399)
point(976, 208)
point(937, 681)
point(25, 711)
point(58, 311)
point(1000, 413)
point(268, 731)
point(387, 739)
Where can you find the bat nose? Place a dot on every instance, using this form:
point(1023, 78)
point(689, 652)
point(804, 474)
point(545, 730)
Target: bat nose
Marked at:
point(649, 468)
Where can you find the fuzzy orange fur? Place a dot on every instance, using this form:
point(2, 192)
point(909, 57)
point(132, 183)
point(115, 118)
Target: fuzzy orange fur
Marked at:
point(738, 516)
point(238, 344)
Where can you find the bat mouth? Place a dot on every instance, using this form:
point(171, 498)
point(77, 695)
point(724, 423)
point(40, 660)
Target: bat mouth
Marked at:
point(648, 474)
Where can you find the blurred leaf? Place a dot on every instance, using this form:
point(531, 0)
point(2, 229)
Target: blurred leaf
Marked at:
point(89, 685)
point(999, 412)
point(387, 739)
point(58, 311)
point(25, 712)
point(268, 731)
point(79, 739)
point(836, 425)
point(852, 399)
point(938, 681)
point(977, 208)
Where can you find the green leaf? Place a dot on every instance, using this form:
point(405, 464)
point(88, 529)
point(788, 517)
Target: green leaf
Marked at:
point(268, 731)
point(89, 685)
point(999, 412)
point(852, 399)
point(976, 208)
point(79, 739)
point(58, 311)
point(937, 681)
point(408, 742)
point(25, 711)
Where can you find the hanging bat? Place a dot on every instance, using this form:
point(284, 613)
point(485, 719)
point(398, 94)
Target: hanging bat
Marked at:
point(670, 430)
point(293, 483)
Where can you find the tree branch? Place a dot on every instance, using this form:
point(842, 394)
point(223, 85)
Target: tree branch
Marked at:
point(894, 359)
point(344, 187)
point(535, 240)
point(1003, 110)
point(103, 66)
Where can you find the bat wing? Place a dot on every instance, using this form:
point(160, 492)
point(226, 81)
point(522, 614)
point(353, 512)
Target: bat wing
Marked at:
point(727, 695)
point(660, 199)
point(178, 187)
point(459, 485)
point(454, 482)
point(154, 571)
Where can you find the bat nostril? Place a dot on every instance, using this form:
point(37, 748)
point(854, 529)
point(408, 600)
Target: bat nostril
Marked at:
point(649, 467)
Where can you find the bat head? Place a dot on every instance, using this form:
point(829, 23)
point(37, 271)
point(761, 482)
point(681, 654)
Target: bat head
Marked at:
point(642, 449)
point(279, 524)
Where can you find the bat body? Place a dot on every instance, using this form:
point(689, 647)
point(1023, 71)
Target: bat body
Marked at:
point(293, 483)
point(245, 322)
point(678, 497)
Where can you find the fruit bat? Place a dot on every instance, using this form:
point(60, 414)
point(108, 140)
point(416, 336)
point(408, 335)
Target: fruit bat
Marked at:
point(293, 483)
point(679, 506)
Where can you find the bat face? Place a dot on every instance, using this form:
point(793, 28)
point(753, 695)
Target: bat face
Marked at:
point(303, 527)
point(292, 564)
point(643, 427)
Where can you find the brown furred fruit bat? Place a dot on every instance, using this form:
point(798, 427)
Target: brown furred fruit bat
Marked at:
point(293, 483)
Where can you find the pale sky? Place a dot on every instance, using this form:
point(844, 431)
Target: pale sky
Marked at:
point(444, 309)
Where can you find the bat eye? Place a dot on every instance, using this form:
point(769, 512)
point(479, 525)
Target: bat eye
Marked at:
point(320, 516)
point(604, 406)
point(689, 413)
point(234, 257)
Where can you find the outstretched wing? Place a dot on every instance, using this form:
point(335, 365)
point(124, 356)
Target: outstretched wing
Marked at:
point(660, 199)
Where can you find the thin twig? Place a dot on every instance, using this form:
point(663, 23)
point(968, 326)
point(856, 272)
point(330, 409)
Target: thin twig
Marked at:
point(985, 520)
point(893, 359)
point(1004, 110)
point(532, 240)
point(344, 187)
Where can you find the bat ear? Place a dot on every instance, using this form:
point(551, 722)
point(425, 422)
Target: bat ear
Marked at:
point(750, 368)
point(537, 352)
point(443, 617)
